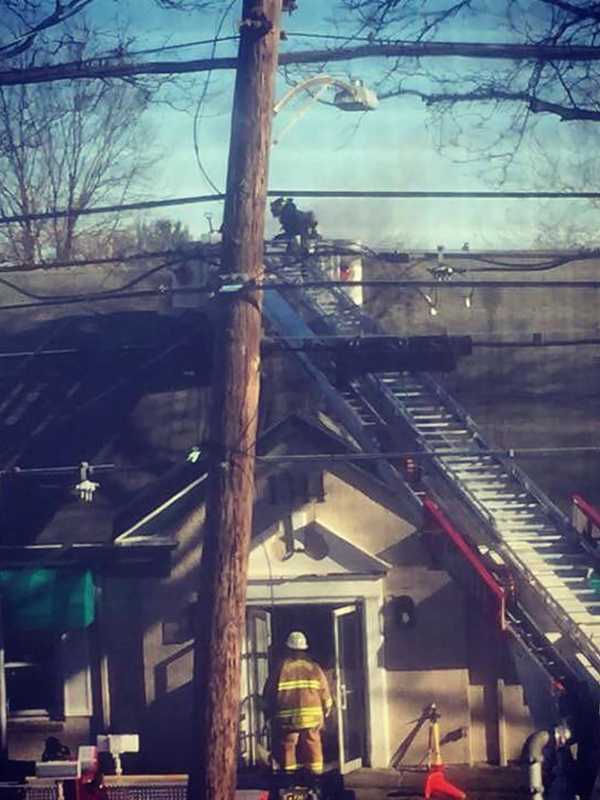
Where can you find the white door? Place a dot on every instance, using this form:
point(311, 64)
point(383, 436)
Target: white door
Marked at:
point(254, 734)
point(350, 686)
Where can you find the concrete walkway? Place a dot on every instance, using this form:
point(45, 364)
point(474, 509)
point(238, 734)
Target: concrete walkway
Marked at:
point(483, 782)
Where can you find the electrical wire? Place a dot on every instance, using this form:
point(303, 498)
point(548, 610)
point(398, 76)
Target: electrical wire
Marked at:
point(87, 262)
point(507, 266)
point(91, 295)
point(343, 194)
point(201, 100)
point(406, 259)
point(345, 38)
point(165, 48)
point(420, 454)
point(318, 457)
point(122, 294)
point(217, 39)
point(77, 300)
point(141, 205)
point(335, 37)
point(498, 265)
point(123, 290)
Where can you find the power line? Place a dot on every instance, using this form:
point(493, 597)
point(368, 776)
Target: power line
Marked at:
point(202, 98)
point(427, 194)
point(340, 37)
point(16, 472)
point(420, 454)
point(121, 294)
point(144, 293)
point(508, 266)
point(48, 266)
point(93, 469)
point(115, 56)
point(199, 249)
point(92, 295)
point(165, 48)
point(435, 284)
point(341, 194)
point(138, 206)
point(96, 68)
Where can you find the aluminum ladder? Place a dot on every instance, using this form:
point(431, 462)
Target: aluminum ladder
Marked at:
point(532, 534)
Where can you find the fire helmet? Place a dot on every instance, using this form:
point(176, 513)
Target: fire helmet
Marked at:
point(297, 641)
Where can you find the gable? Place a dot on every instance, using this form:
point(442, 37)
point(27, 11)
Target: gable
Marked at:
point(346, 502)
point(298, 546)
point(361, 515)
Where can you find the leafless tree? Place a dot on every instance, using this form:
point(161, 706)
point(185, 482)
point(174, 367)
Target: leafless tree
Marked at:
point(66, 146)
point(499, 98)
point(24, 21)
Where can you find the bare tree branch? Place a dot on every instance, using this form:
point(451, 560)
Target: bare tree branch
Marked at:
point(62, 12)
point(517, 98)
point(580, 12)
point(494, 95)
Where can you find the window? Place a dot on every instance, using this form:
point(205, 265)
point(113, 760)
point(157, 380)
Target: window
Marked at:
point(32, 670)
point(46, 614)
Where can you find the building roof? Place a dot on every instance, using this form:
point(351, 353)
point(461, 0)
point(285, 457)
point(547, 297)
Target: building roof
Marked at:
point(159, 510)
point(74, 386)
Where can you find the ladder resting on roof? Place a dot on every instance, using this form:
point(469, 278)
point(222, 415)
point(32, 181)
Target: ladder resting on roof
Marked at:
point(531, 533)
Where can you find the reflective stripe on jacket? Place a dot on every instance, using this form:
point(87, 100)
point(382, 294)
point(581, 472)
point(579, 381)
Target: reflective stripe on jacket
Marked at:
point(299, 695)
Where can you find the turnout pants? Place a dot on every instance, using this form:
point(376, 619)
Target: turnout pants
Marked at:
point(300, 749)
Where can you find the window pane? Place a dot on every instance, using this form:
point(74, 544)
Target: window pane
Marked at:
point(31, 672)
point(29, 688)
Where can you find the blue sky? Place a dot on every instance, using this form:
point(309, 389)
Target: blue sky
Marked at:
point(391, 148)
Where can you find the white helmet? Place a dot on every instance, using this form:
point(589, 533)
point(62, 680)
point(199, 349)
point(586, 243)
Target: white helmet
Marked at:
point(296, 641)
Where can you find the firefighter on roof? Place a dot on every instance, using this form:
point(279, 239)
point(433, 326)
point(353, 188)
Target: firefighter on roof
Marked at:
point(297, 701)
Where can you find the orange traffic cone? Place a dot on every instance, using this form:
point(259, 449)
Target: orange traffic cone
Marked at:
point(436, 784)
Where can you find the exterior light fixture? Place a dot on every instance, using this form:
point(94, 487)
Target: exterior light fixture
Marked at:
point(469, 298)
point(356, 96)
point(86, 488)
point(402, 611)
point(351, 96)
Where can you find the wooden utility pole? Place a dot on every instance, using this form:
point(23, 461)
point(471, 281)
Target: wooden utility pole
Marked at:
point(230, 491)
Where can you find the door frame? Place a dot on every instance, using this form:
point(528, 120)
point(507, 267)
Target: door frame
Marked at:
point(251, 717)
point(367, 591)
point(337, 614)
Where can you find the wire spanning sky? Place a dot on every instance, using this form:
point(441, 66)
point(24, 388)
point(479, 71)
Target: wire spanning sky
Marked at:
point(395, 147)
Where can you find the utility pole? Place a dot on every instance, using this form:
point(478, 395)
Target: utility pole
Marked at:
point(234, 416)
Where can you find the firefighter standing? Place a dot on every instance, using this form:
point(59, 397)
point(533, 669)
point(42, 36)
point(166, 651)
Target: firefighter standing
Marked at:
point(297, 700)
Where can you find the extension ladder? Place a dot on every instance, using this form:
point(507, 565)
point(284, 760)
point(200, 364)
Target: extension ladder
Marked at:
point(531, 533)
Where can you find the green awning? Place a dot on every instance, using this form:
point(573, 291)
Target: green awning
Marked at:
point(47, 599)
